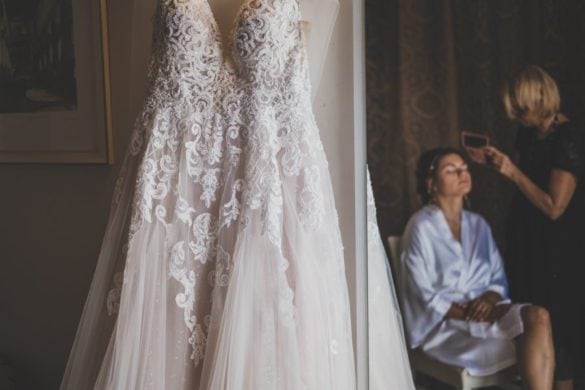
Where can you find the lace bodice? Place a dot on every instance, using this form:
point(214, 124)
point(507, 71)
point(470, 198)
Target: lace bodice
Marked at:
point(264, 36)
point(247, 96)
point(188, 41)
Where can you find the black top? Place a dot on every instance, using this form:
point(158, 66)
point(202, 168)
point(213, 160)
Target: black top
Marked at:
point(543, 253)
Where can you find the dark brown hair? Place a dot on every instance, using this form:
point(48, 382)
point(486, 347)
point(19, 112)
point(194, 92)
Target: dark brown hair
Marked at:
point(426, 168)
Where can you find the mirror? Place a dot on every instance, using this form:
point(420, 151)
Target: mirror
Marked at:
point(435, 68)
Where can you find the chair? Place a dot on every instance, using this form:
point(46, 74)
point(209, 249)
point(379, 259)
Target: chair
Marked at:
point(457, 377)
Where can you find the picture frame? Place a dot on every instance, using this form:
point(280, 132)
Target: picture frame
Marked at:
point(55, 95)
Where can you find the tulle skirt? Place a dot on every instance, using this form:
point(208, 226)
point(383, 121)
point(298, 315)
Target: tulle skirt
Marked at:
point(389, 367)
point(187, 301)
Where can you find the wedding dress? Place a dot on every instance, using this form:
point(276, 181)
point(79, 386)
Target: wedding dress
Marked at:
point(222, 263)
point(389, 367)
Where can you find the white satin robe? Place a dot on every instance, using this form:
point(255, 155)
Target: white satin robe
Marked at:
point(437, 270)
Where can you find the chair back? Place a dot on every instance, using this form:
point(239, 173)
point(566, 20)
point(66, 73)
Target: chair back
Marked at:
point(395, 245)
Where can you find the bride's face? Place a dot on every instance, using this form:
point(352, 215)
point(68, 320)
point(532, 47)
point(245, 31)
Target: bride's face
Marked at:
point(452, 178)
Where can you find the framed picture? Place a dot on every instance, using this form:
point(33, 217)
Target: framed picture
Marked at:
point(55, 103)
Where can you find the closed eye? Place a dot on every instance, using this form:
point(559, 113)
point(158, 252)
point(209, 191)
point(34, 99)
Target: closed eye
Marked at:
point(451, 168)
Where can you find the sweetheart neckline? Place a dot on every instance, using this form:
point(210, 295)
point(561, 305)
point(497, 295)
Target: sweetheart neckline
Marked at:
point(226, 39)
point(229, 38)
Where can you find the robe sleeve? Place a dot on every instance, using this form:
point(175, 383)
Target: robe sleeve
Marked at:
point(425, 298)
point(498, 281)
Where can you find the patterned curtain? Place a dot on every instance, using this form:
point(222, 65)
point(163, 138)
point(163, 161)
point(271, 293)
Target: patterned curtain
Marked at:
point(435, 67)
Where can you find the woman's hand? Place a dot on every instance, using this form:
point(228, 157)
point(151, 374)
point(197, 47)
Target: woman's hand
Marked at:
point(457, 311)
point(501, 162)
point(482, 307)
point(479, 309)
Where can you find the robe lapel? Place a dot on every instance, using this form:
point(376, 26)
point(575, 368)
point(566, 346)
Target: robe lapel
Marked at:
point(455, 247)
point(466, 247)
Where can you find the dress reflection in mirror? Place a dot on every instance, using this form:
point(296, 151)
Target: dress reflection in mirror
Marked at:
point(389, 367)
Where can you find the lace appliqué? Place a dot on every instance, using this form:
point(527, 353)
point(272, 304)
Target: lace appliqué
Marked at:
point(113, 299)
point(311, 199)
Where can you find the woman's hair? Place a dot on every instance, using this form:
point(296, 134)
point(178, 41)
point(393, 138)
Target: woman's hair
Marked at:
point(426, 168)
point(532, 89)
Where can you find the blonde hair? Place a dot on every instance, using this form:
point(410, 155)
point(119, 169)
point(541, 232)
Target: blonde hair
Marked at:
point(531, 90)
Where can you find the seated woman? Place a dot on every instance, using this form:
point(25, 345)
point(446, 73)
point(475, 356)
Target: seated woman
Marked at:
point(453, 285)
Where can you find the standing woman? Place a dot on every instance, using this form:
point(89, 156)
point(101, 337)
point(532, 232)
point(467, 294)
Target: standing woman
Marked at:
point(546, 239)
